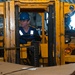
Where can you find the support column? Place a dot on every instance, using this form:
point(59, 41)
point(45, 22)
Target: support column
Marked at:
point(57, 29)
point(9, 33)
point(62, 34)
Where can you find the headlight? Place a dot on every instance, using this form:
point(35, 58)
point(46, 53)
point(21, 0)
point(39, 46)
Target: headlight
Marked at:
point(67, 51)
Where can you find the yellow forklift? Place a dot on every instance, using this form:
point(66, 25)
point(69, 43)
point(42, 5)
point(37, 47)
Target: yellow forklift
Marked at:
point(55, 29)
point(52, 46)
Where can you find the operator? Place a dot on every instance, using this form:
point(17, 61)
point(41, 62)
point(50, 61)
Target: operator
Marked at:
point(26, 32)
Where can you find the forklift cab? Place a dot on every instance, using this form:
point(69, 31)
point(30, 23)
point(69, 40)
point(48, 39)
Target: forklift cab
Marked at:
point(38, 17)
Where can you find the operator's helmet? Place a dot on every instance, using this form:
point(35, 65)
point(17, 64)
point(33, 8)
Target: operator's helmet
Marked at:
point(24, 16)
point(71, 7)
